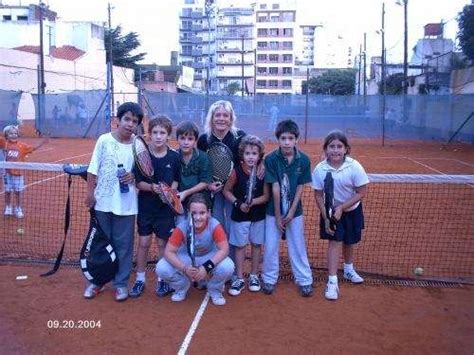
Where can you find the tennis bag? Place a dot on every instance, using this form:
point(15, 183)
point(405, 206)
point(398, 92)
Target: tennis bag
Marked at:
point(99, 264)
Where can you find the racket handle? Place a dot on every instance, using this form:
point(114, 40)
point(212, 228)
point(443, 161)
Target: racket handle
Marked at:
point(283, 236)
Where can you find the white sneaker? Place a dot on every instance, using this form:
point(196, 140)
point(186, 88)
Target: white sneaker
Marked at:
point(353, 277)
point(178, 296)
point(8, 211)
point(19, 212)
point(218, 299)
point(332, 291)
point(92, 290)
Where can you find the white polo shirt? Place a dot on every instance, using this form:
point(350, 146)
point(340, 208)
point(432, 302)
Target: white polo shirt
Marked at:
point(346, 178)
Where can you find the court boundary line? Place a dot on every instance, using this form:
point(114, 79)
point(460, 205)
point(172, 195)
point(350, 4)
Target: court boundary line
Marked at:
point(426, 166)
point(192, 329)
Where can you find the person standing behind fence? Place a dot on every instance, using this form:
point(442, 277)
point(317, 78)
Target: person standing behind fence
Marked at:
point(115, 211)
point(274, 111)
point(350, 186)
point(14, 151)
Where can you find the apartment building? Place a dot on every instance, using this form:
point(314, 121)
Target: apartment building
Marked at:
point(275, 37)
point(197, 41)
point(236, 49)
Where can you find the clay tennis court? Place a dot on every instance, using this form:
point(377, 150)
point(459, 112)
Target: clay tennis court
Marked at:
point(372, 318)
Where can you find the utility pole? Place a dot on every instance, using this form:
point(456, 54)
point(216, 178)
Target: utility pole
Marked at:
point(359, 71)
point(405, 47)
point(42, 84)
point(365, 64)
point(111, 60)
point(254, 73)
point(306, 108)
point(382, 75)
point(242, 52)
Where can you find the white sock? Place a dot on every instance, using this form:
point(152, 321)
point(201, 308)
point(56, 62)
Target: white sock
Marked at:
point(348, 267)
point(141, 276)
point(332, 279)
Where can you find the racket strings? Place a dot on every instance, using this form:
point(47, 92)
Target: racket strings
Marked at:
point(221, 162)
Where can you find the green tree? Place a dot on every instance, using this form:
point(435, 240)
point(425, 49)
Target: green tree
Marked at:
point(122, 46)
point(466, 31)
point(232, 88)
point(332, 82)
point(393, 84)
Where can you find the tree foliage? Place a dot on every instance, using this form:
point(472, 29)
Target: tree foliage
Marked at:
point(122, 46)
point(466, 31)
point(232, 88)
point(332, 82)
point(393, 84)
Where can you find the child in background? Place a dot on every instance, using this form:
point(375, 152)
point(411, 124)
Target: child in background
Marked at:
point(211, 248)
point(350, 187)
point(248, 220)
point(195, 168)
point(14, 151)
point(154, 216)
point(286, 160)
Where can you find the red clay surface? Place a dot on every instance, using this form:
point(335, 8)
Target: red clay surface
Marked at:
point(367, 319)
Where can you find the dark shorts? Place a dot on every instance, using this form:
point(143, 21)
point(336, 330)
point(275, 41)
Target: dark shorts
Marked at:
point(348, 228)
point(161, 227)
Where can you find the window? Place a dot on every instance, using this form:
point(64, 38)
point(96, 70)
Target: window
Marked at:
point(286, 83)
point(288, 17)
point(273, 45)
point(287, 45)
point(273, 83)
point(187, 12)
point(263, 6)
point(273, 57)
point(287, 57)
point(262, 32)
point(288, 32)
point(261, 44)
point(97, 31)
point(262, 70)
point(287, 70)
point(7, 18)
point(262, 57)
point(22, 18)
point(275, 6)
point(189, 2)
point(275, 19)
point(262, 83)
point(273, 70)
point(186, 25)
point(274, 32)
point(262, 19)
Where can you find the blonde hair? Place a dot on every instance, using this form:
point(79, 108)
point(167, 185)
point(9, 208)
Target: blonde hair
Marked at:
point(226, 105)
point(8, 129)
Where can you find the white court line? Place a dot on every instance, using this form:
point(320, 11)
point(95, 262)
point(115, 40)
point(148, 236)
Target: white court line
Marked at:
point(76, 156)
point(427, 166)
point(197, 318)
point(418, 158)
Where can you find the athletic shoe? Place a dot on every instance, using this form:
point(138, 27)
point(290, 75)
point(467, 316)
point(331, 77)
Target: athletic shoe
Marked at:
point(237, 286)
point(254, 283)
point(8, 211)
point(137, 289)
point(332, 291)
point(121, 294)
point(307, 290)
point(268, 288)
point(218, 299)
point(353, 277)
point(178, 296)
point(163, 289)
point(92, 290)
point(19, 212)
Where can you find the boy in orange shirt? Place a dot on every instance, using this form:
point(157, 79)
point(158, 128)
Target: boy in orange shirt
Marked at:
point(15, 151)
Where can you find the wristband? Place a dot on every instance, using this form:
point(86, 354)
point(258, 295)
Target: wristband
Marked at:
point(237, 204)
point(208, 266)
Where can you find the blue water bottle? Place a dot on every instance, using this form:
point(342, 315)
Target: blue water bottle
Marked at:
point(124, 188)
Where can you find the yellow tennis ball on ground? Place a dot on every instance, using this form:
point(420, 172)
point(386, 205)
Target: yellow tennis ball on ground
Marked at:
point(418, 271)
point(20, 231)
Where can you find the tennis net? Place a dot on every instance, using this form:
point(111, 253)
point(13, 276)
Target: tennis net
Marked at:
point(412, 221)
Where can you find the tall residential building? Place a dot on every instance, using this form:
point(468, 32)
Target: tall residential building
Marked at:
point(276, 23)
point(236, 49)
point(304, 55)
point(197, 40)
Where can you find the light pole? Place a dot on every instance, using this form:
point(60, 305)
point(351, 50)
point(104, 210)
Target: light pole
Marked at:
point(111, 60)
point(42, 84)
point(209, 10)
point(382, 74)
point(242, 52)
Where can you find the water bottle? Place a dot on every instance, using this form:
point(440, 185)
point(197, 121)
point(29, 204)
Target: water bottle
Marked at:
point(124, 188)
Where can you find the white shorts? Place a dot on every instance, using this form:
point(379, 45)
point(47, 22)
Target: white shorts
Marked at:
point(13, 183)
point(241, 233)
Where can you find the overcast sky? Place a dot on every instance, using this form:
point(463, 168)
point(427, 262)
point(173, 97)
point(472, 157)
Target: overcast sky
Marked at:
point(344, 22)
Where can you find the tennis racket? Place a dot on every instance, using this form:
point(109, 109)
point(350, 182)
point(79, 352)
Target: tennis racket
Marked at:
point(285, 200)
point(142, 157)
point(191, 242)
point(251, 185)
point(170, 197)
point(222, 161)
point(329, 200)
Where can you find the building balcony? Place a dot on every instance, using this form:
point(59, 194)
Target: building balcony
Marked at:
point(196, 40)
point(196, 27)
point(234, 63)
point(197, 15)
point(196, 52)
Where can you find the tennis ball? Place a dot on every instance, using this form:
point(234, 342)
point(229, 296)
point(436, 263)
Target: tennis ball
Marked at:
point(418, 271)
point(20, 231)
